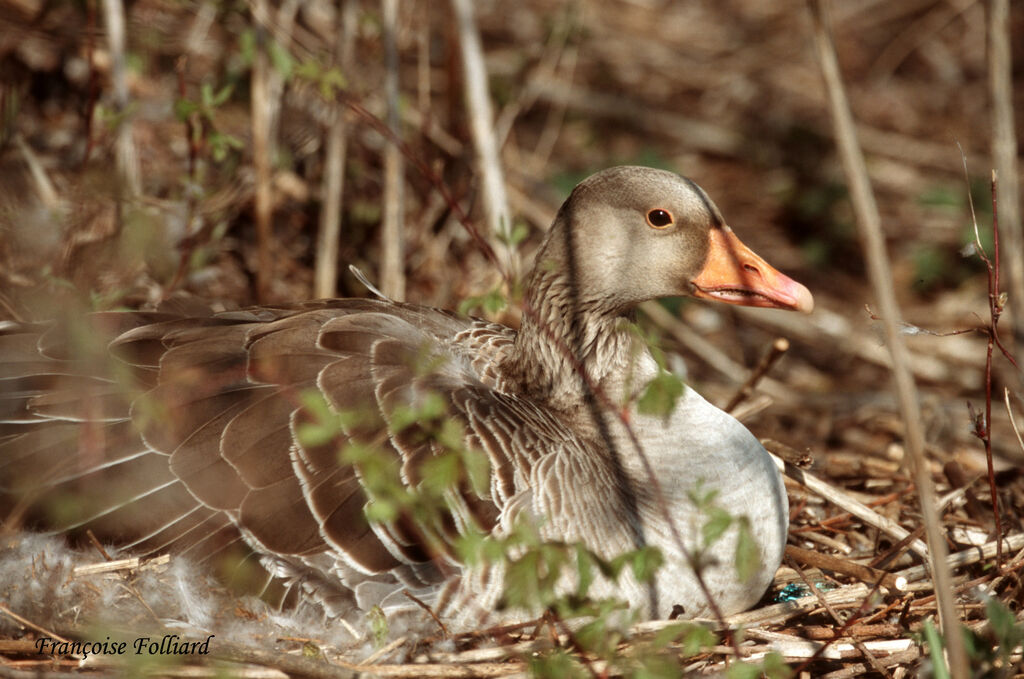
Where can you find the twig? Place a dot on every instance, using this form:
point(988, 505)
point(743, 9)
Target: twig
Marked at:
point(261, 150)
point(708, 352)
point(577, 646)
point(897, 550)
point(870, 228)
point(1004, 150)
point(958, 480)
point(315, 668)
point(127, 157)
point(1013, 420)
point(96, 543)
point(384, 651)
point(193, 135)
point(842, 500)
point(996, 302)
point(846, 567)
point(845, 337)
point(430, 174)
point(31, 625)
point(868, 655)
point(44, 187)
point(94, 80)
point(325, 276)
point(771, 614)
point(481, 121)
point(430, 611)
point(392, 268)
point(778, 348)
point(965, 557)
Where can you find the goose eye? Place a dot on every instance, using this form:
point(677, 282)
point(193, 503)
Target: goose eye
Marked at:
point(659, 218)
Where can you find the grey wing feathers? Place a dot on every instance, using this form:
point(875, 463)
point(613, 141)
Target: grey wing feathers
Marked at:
point(183, 432)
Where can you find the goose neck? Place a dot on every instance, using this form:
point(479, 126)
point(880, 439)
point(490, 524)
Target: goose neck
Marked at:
point(567, 342)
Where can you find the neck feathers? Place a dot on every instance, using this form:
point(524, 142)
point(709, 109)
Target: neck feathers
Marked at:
point(568, 346)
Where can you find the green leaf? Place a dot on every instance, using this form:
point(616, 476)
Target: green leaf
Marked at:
point(661, 394)
point(281, 59)
point(378, 625)
point(379, 511)
point(934, 639)
point(557, 665)
point(514, 236)
point(596, 637)
point(430, 407)
point(441, 472)
point(316, 434)
point(697, 639)
point(183, 109)
point(247, 46)
point(478, 469)
point(1004, 625)
point(718, 522)
point(742, 670)
point(646, 562)
point(657, 667)
point(491, 302)
point(221, 96)
point(748, 556)
point(584, 570)
point(775, 666)
point(522, 586)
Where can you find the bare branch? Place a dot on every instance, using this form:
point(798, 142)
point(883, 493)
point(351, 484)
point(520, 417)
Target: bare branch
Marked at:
point(873, 241)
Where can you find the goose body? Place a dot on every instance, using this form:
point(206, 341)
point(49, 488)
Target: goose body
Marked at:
point(183, 433)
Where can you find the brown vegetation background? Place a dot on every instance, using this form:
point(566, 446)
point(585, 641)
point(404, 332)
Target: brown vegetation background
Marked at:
point(728, 93)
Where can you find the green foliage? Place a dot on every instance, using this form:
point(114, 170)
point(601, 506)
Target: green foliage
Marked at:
point(557, 664)
point(329, 80)
point(112, 118)
point(772, 667)
point(748, 556)
point(203, 113)
point(378, 626)
point(281, 59)
point(934, 639)
point(661, 394)
point(538, 574)
point(490, 302)
point(1008, 632)
point(747, 559)
point(989, 651)
point(515, 235)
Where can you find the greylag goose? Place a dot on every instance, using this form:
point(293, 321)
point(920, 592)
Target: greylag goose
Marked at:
point(179, 433)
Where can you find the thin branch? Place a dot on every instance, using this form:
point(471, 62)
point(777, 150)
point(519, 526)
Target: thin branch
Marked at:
point(870, 228)
point(983, 430)
point(127, 156)
point(261, 150)
point(1013, 420)
point(481, 120)
point(392, 266)
point(844, 501)
point(778, 348)
point(843, 626)
point(325, 277)
point(1004, 150)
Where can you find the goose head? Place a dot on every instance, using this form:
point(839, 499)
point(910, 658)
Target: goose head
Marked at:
point(630, 234)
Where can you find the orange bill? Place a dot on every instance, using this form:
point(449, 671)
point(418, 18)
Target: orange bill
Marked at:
point(734, 274)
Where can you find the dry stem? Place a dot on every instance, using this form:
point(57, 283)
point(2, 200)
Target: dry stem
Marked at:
point(870, 229)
